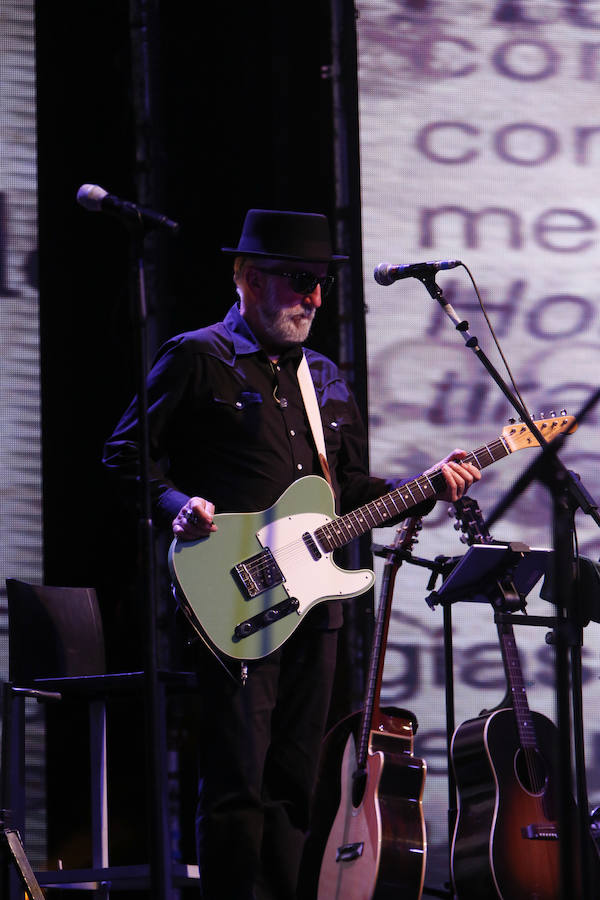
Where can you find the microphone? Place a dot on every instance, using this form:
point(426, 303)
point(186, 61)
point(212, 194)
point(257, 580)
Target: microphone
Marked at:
point(386, 273)
point(96, 199)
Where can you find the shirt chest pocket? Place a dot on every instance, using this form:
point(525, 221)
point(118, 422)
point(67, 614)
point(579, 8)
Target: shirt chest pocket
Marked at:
point(332, 429)
point(236, 413)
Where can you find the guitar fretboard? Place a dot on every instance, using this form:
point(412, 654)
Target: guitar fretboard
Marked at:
point(344, 529)
point(375, 667)
point(517, 687)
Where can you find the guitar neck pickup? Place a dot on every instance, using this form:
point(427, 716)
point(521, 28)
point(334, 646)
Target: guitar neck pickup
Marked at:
point(258, 573)
point(311, 545)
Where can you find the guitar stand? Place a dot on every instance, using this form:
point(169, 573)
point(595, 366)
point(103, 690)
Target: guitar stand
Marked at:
point(11, 844)
point(503, 575)
point(442, 565)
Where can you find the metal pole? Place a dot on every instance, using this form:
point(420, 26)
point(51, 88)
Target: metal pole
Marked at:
point(351, 333)
point(144, 276)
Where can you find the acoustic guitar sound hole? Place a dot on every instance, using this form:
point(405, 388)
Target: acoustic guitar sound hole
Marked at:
point(531, 771)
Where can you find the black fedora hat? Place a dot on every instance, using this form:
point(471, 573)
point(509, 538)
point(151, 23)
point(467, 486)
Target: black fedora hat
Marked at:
point(280, 234)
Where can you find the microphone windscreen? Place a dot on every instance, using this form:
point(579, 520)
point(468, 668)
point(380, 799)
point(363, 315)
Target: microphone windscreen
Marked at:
point(90, 196)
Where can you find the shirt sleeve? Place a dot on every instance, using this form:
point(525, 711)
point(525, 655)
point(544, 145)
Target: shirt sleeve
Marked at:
point(166, 386)
point(346, 444)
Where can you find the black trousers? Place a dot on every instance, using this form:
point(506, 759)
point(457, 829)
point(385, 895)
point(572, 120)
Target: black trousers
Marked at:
point(258, 764)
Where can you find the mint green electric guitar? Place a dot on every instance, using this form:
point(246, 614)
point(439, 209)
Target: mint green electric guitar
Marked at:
point(247, 587)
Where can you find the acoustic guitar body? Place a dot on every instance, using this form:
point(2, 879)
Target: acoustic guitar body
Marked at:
point(505, 843)
point(376, 846)
point(332, 795)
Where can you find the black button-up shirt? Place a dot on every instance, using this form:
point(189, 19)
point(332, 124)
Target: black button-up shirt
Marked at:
point(227, 424)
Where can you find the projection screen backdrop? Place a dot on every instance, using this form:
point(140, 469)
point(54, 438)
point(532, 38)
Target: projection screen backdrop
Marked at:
point(21, 550)
point(480, 141)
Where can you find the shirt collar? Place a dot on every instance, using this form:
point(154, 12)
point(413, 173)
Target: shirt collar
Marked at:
point(243, 339)
point(241, 334)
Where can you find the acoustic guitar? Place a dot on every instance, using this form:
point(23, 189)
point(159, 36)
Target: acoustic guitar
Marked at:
point(246, 588)
point(505, 844)
point(377, 845)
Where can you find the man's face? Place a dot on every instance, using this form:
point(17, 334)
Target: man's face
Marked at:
point(283, 316)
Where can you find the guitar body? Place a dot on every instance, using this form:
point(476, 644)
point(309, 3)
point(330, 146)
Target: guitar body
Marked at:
point(376, 846)
point(504, 845)
point(246, 588)
point(213, 595)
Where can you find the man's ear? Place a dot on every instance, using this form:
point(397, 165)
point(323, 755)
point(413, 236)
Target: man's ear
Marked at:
point(254, 278)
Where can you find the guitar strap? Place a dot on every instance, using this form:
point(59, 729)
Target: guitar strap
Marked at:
point(311, 405)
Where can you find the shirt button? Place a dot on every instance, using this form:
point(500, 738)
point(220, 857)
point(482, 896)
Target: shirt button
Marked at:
point(300, 466)
point(292, 432)
point(239, 404)
point(283, 403)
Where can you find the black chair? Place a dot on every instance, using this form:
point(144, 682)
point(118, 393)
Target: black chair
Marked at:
point(56, 652)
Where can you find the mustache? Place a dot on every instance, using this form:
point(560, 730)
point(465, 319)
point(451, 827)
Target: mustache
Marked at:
point(301, 313)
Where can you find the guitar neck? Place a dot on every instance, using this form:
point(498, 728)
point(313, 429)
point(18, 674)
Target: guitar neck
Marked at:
point(514, 675)
point(376, 663)
point(404, 539)
point(344, 529)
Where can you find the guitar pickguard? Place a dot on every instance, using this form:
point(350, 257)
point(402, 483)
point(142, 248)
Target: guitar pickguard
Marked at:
point(223, 581)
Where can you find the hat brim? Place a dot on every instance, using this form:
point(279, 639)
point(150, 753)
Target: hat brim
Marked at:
point(262, 255)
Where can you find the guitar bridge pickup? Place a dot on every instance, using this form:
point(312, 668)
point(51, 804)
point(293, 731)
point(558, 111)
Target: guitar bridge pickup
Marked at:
point(348, 852)
point(265, 618)
point(540, 833)
point(258, 573)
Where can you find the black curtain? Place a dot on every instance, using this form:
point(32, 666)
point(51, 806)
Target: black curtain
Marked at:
point(240, 117)
point(239, 103)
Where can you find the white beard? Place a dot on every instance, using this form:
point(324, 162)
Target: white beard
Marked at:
point(285, 327)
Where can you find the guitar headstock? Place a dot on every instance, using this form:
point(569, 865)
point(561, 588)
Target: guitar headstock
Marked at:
point(518, 436)
point(407, 533)
point(469, 519)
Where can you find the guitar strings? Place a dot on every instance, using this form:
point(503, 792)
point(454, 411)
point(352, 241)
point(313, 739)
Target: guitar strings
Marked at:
point(334, 528)
point(356, 523)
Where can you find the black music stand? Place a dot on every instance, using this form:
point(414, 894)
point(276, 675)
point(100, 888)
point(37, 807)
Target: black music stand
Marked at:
point(476, 575)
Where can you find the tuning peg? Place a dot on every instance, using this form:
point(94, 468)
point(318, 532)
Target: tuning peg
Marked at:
point(542, 415)
point(552, 414)
point(563, 412)
point(512, 421)
point(464, 539)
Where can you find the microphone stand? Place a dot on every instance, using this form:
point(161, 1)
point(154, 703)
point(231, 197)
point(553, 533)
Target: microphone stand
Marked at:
point(160, 873)
point(567, 496)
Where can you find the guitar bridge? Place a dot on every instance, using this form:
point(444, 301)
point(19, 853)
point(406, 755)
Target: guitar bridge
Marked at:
point(540, 833)
point(265, 618)
point(349, 852)
point(258, 573)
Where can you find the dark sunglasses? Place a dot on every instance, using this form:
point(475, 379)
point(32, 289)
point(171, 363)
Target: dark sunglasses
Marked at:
point(303, 282)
